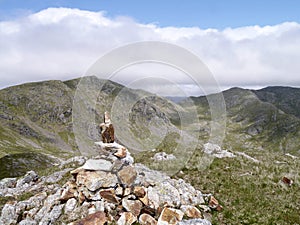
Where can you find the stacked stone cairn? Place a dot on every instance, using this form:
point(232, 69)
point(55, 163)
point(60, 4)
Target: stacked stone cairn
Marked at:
point(108, 188)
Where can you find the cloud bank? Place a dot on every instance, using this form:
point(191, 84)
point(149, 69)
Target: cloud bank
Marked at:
point(61, 43)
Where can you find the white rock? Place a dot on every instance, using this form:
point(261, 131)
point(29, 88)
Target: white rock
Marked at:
point(70, 205)
point(97, 164)
point(162, 156)
point(9, 215)
point(29, 177)
point(215, 150)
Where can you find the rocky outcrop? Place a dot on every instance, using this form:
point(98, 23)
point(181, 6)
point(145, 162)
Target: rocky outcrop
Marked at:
point(216, 151)
point(109, 188)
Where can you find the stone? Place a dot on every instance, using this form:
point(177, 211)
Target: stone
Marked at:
point(204, 208)
point(133, 206)
point(127, 218)
point(215, 150)
point(30, 176)
point(57, 176)
point(70, 205)
point(162, 156)
point(81, 197)
point(94, 180)
point(146, 219)
point(287, 181)
point(107, 130)
point(145, 199)
point(214, 204)
point(8, 183)
point(191, 211)
point(97, 164)
point(127, 175)
point(109, 195)
point(50, 218)
point(139, 191)
point(121, 153)
point(76, 171)
point(170, 216)
point(8, 214)
point(163, 194)
point(98, 218)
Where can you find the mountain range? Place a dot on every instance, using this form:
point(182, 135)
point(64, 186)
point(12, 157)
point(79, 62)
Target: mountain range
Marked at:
point(37, 126)
point(43, 124)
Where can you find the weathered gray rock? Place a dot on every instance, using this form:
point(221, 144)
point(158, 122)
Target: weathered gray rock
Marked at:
point(52, 216)
point(97, 164)
point(30, 176)
point(70, 205)
point(57, 176)
point(215, 150)
point(8, 183)
point(9, 215)
point(93, 180)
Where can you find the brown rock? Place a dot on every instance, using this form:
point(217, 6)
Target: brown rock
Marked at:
point(81, 197)
point(191, 211)
point(133, 206)
point(107, 130)
point(98, 218)
point(121, 153)
point(146, 219)
point(287, 181)
point(127, 218)
point(139, 191)
point(127, 175)
point(148, 210)
point(110, 196)
point(214, 204)
point(170, 216)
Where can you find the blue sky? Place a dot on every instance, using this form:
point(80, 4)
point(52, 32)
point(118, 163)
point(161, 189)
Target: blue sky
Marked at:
point(204, 14)
point(244, 43)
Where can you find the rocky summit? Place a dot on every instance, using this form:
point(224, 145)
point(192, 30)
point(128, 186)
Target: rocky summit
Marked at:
point(106, 189)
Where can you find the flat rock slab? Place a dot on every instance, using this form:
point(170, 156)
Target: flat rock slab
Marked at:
point(98, 164)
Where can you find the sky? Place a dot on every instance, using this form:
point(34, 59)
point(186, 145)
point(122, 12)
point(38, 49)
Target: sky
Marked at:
point(250, 44)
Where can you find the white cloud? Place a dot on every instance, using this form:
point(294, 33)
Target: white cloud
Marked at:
point(61, 43)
